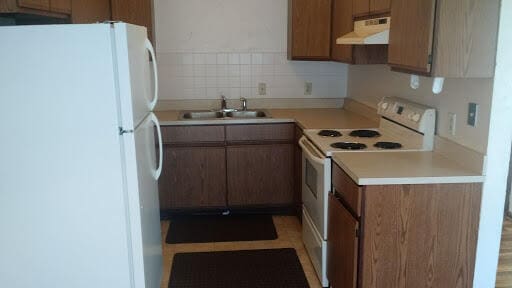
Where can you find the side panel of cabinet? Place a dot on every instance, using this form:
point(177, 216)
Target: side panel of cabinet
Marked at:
point(138, 12)
point(35, 4)
point(193, 178)
point(90, 11)
point(260, 175)
point(298, 170)
point(427, 235)
point(342, 246)
point(61, 6)
point(342, 24)
point(309, 34)
point(411, 35)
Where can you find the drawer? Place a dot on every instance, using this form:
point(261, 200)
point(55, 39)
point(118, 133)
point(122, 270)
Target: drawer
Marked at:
point(347, 189)
point(261, 133)
point(192, 134)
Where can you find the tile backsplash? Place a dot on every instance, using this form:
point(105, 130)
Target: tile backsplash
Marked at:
point(235, 75)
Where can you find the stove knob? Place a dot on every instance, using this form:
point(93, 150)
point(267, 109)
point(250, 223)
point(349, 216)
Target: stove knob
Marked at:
point(384, 106)
point(416, 117)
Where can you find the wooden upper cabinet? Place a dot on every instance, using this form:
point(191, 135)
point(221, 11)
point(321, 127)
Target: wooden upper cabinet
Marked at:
point(369, 7)
point(60, 6)
point(90, 11)
point(411, 35)
point(35, 4)
point(361, 7)
point(342, 24)
point(309, 29)
point(462, 45)
point(380, 6)
point(136, 12)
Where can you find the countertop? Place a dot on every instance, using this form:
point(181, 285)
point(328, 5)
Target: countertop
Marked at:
point(315, 118)
point(388, 168)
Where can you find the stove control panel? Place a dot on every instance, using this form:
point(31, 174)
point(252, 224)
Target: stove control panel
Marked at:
point(409, 114)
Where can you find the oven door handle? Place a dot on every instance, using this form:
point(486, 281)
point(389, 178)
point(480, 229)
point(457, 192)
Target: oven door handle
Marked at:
point(312, 153)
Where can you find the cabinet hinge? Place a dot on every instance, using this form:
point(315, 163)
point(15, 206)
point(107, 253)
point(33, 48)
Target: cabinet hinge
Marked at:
point(430, 59)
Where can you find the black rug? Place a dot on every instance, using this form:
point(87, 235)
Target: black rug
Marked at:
point(270, 268)
point(220, 228)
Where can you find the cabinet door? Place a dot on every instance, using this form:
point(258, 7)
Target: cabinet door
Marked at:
point(260, 175)
point(411, 34)
point(380, 6)
point(60, 6)
point(342, 24)
point(35, 4)
point(136, 12)
point(342, 246)
point(361, 7)
point(193, 178)
point(90, 11)
point(309, 35)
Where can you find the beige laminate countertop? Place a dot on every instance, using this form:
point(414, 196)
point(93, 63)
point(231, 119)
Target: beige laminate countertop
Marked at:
point(388, 168)
point(314, 118)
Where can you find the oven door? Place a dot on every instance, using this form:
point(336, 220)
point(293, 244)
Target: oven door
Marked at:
point(316, 180)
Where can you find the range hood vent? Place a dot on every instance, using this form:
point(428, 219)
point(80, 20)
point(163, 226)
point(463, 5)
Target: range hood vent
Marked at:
point(366, 32)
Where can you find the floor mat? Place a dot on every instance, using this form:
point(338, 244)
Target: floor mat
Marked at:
point(220, 228)
point(269, 268)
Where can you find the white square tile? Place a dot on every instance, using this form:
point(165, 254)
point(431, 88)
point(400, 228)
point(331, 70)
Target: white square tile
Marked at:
point(222, 70)
point(246, 92)
point(211, 70)
point(188, 70)
point(268, 59)
point(267, 69)
point(234, 59)
point(257, 58)
point(222, 58)
point(211, 59)
point(211, 93)
point(199, 82)
point(245, 58)
point(187, 82)
point(280, 58)
point(256, 69)
point(199, 59)
point(245, 81)
point(211, 82)
point(224, 91)
point(234, 82)
point(199, 70)
point(222, 82)
point(200, 93)
point(234, 93)
point(234, 70)
point(187, 59)
point(245, 70)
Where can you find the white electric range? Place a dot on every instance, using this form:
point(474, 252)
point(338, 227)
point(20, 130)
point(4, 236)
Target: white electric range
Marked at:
point(404, 126)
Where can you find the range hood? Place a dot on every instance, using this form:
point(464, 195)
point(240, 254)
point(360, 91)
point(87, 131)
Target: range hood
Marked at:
point(369, 31)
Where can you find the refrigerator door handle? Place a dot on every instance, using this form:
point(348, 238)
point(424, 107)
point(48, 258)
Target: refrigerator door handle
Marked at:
point(158, 170)
point(151, 50)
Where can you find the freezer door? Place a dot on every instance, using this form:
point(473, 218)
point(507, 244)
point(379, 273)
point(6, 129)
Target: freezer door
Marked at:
point(137, 73)
point(142, 172)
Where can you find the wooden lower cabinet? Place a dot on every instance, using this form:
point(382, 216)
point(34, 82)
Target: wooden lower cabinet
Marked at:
point(260, 175)
point(193, 177)
point(342, 246)
point(410, 235)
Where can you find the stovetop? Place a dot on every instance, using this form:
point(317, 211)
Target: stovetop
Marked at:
point(367, 140)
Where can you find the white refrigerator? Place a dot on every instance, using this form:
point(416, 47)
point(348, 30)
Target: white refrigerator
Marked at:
point(78, 167)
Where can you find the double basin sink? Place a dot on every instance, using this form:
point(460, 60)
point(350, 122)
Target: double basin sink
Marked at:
point(212, 115)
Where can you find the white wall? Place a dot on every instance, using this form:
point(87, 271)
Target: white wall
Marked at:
point(211, 47)
point(498, 153)
point(368, 84)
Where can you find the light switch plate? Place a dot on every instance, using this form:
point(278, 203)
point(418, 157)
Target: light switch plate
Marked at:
point(453, 123)
point(472, 114)
point(308, 88)
point(262, 89)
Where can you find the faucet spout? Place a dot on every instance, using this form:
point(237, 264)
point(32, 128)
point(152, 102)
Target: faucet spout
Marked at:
point(223, 105)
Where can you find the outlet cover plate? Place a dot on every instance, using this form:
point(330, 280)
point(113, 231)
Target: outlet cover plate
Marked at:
point(472, 114)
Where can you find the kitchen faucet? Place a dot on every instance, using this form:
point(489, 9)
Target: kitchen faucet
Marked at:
point(223, 105)
point(244, 103)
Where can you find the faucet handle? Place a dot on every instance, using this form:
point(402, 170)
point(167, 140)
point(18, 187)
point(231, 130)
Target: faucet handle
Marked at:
point(244, 103)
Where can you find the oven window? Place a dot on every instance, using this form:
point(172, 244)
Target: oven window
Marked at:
point(311, 178)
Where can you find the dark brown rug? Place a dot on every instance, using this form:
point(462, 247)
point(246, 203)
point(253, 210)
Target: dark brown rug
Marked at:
point(270, 268)
point(220, 228)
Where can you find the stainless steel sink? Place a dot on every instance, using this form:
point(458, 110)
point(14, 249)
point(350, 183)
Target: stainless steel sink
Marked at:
point(219, 115)
point(202, 115)
point(247, 114)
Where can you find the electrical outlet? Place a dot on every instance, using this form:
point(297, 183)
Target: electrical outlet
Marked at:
point(472, 114)
point(453, 122)
point(308, 88)
point(262, 89)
